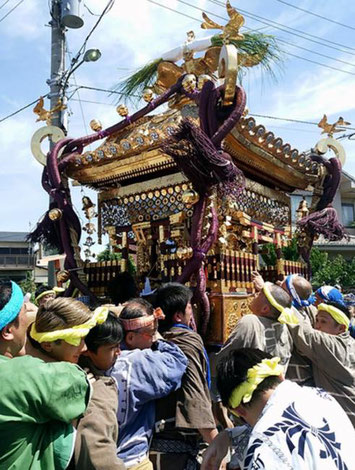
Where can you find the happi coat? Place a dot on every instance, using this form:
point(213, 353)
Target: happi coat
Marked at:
point(142, 377)
point(180, 415)
point(300, 428)
point(97, 431)
point(333, 362)
point(300, 367)
point(266, 334)
point(38, 402)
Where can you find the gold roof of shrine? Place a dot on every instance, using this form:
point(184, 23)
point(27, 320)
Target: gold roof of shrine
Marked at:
point(134, 154)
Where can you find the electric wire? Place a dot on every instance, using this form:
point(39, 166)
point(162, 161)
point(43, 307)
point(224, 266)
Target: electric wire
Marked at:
point(7, 1)
point(279, 39)
point(316, 14)
point(21, 109)
point(74, 78)
point(286, 52)
point(272, 23)
point(107, 8)
point(12, 9)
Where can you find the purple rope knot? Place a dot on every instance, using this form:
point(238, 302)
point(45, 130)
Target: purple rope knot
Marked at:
point(199, 253)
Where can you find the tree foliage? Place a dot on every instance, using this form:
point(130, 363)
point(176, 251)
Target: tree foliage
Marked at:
point(28, 285)
point(108, 255)
point(331, 271)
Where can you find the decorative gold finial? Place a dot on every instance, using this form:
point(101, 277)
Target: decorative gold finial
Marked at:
point(302, 210)
point(148, 95)
point(190, 197)
point(189, 83)
point(202, 79)
point(95, 125)
point(122, 110)
point(55, 214)
point(330, 129)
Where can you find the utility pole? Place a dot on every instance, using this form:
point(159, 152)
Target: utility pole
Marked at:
point(55, 82)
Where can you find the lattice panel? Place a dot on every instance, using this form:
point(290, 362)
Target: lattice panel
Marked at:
point(263, 208)
point(146, 206)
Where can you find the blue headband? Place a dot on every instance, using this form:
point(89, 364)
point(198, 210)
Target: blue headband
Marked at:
point(13, 306)
point(330, 294)
point(297, 302)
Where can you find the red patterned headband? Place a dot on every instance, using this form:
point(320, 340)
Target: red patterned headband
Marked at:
point(142, 322)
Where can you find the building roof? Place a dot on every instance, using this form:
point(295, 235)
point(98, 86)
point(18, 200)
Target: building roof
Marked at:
point(13, 236)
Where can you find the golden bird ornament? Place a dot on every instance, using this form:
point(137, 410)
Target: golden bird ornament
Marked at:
point(331, 129)
point(231, 30)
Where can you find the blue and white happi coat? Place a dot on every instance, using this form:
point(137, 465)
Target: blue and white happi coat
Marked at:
point(300, 428)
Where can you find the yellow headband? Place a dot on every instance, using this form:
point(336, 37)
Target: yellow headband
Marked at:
point(255, 375)
point(287, 315)
point(54, 291)
point(336, 314)
point(74, 334)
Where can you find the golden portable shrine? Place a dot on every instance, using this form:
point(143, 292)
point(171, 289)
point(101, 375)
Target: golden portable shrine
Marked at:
point(194, 192)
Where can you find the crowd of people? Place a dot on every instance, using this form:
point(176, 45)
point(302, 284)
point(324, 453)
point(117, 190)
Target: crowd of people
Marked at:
point(132, 386)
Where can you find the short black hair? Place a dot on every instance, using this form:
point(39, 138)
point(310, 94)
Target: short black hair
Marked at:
point(172, 298)
point(136, 308)
point(40, 289)
point(109, 332)
point(5, 292)
point(232, 371)
point(122, 288)
point(339, 306)
point(5, 296)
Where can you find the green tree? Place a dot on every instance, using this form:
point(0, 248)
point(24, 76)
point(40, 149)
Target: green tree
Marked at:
point(108, 255)
point(28, 285)
point(334, 271)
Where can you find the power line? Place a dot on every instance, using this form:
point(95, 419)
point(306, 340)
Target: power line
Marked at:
point(316, 14)
point(316, 53)
point(280, 40)
point(299, 121)
point(292, 120)
point(92, 102)
point(80, 103)
point(21, 109)
point(12, 9)
point(284, 28)
point(102, 90)
point(288, 53)
point(7, 1)
point(105, 10)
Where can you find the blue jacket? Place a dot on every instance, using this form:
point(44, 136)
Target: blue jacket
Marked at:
point(142, 377)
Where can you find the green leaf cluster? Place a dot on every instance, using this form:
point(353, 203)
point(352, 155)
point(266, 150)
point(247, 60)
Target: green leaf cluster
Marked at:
point(107, 255)
point(28, 285)
point(135, 84)
point(263, 46)
point(333, 271)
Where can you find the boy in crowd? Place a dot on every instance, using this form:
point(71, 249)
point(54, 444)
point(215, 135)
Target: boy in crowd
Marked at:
point(44, 293)
point(331, 350)
point(38, 401)
point(185, 416)
point(97, 431)
point(288, 426)
point(147, 370)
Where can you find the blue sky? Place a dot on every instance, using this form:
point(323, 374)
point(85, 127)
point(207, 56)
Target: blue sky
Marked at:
point(136, 31)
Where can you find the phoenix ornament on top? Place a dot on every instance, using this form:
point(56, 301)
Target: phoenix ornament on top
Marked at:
point(231, 30)
point(330, 129)
point(44, 114)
